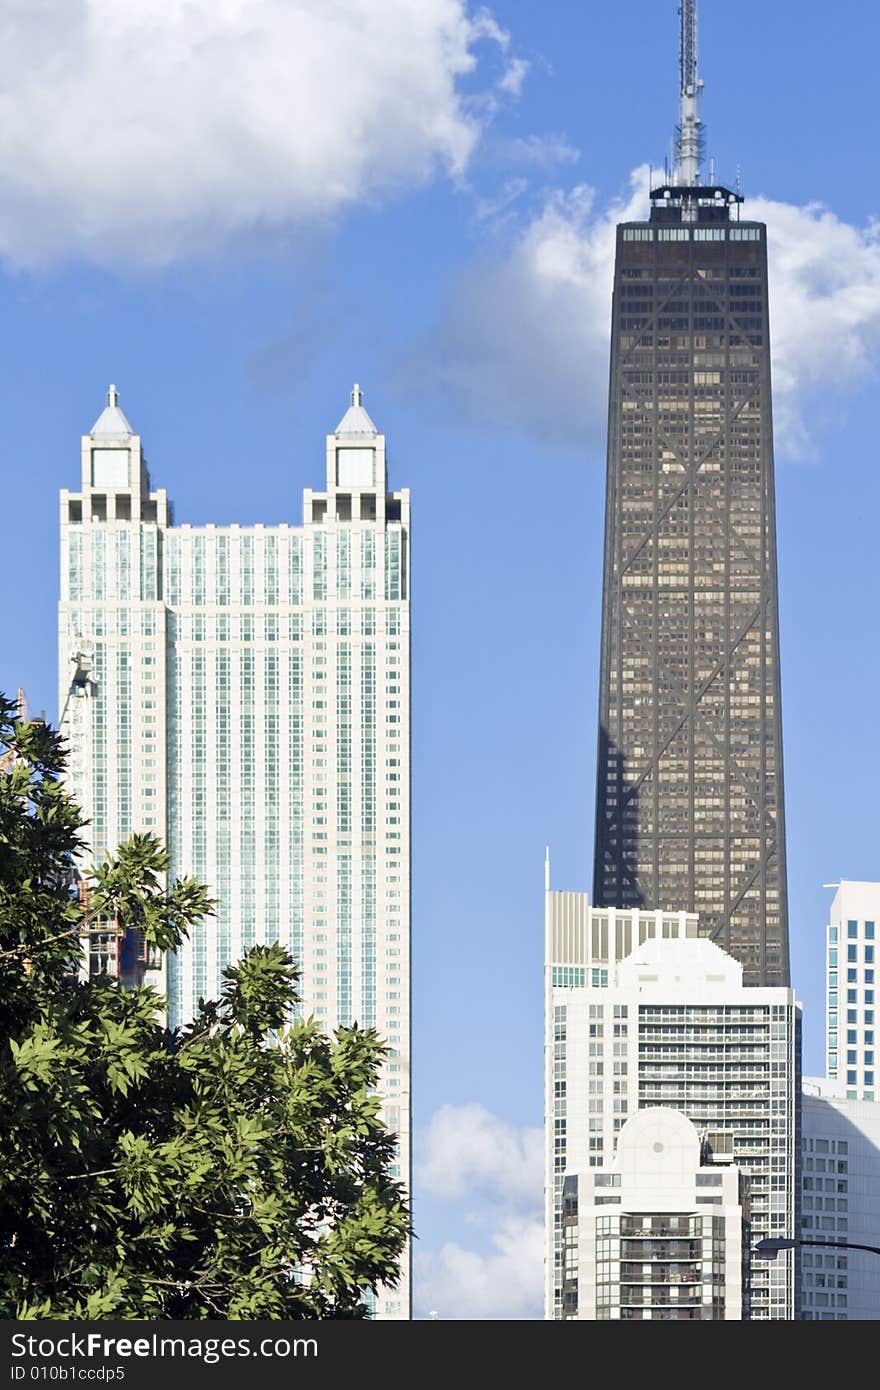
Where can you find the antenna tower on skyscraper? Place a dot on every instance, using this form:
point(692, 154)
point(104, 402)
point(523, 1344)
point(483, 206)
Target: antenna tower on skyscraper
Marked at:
point(689, 134)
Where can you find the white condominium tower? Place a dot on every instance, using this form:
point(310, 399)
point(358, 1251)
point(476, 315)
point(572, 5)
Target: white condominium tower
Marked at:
point(642, 1012)
point(850, 956)
point(656, 1235)
point(840, 1156)
point(243, 693)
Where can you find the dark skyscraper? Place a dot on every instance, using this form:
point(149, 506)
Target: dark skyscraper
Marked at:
point(689, 805)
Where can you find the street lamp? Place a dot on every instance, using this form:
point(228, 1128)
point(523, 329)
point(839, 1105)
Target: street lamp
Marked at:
point(770, 1247)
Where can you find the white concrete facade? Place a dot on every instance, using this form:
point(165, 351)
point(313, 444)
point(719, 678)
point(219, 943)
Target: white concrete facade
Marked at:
point(247, 700)
point(641, 1011)
point(850, 955)
point(656, 1234)
point(840, 1175)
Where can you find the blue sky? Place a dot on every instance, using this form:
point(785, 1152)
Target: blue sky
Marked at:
point(235, 211)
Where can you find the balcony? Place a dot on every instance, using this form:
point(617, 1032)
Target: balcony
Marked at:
point(637, 1297)
point(687, 1251)
point(671, 1274)
point(681, 1227)
point(670, 1314)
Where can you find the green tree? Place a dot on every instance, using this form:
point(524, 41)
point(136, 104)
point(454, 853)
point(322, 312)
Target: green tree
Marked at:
point(236, 1169)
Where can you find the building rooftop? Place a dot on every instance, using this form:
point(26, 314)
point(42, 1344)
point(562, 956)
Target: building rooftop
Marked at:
point(356, 423)
point(111, 423)
point(692, 960)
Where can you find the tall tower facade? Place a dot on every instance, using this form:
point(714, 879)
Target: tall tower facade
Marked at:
point(689, 804)
point(243, 693)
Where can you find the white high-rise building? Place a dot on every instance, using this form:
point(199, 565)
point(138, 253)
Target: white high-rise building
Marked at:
point(850, 1009)
point(641, 1011)
point(840, 1201)
point(243, 693)
point(657, 1234)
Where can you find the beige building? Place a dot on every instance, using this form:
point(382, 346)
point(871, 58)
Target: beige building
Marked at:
point(243, 693)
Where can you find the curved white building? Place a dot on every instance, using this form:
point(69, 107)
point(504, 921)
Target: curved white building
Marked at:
point(656, 1235)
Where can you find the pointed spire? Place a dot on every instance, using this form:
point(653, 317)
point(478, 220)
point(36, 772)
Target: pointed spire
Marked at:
point(356, 422)
point(111, 423)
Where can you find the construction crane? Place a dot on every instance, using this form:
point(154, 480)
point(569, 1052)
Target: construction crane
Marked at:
point(80, 680)
point(689, 135)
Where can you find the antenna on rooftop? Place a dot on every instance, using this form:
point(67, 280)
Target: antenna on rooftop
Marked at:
point(689, 135)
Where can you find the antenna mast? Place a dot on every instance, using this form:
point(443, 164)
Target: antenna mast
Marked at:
point(689, 143)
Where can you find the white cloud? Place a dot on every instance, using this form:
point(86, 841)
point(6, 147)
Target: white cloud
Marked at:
point(525, 338)
point(494, 208)
point(514, 77)
point(466, 1148)
point(494, 1172)
point(505, 1283)
point(542, 151)
point(824, 308)
point(137, 131)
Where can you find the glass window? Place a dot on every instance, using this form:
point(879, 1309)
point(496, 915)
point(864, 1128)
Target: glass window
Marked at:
point(852, 930)
point(852, 953)
point(869, 931)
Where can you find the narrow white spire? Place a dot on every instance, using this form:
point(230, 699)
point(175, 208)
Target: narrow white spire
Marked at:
point(111, 422)
point(547, 869)
point(356, 421)
point(689, 143)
